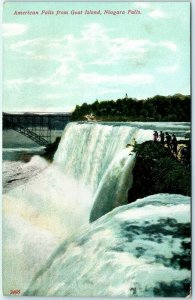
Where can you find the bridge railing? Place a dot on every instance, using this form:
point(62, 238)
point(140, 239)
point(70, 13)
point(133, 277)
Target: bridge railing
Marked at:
point(36, 126)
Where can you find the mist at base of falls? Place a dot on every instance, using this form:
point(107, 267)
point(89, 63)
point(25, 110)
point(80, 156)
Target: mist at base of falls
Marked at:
point(90, 176)
point(136, 250)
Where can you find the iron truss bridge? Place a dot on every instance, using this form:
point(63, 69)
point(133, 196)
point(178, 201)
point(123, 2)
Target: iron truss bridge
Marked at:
point(36, 126)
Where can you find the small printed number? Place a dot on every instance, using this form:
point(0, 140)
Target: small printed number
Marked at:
point(14, 292)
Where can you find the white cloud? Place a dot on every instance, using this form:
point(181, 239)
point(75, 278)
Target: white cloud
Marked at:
point(11, 29)
point(18, 82)
point(102, 62)
point(126, 45)
point(142, 4)
point(63, 70)
point(53, 80)
point(133, 79)
point(131, 51)
point(72, 60)
point(110, 91)
point(54, 96)
point(168, 69)
point(48, 109)
point(120, 49)
point(169, 45)
point(157, 14)
point(95, 46)
point(51, 50)
point(38, 48)
point(94, 32)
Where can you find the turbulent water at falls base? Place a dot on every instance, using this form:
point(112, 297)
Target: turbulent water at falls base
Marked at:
point(90, 176)
point(135, 250)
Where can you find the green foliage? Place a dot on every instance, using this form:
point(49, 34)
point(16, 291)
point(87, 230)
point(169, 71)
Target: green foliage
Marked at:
point(158, 171)
point(152, 150)
point(171, 177)
point(158, 108)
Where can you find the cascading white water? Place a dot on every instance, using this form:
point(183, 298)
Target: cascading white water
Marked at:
point(137, 250)
point(113, 187)
point(86, 150)
point(58, 201)
point(92, 166)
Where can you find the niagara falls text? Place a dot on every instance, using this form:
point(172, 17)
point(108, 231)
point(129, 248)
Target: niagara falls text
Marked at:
point(77, 12)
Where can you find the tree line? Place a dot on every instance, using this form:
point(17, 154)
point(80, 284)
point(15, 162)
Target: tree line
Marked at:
point(158, 108)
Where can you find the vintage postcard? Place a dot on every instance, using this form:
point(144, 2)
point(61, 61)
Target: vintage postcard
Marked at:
point(96, 149)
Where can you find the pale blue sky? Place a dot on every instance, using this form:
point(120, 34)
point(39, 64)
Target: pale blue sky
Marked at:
point(52, 63)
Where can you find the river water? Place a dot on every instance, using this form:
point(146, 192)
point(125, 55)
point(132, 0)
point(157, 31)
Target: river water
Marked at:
point(46, 204)
point(16, 146)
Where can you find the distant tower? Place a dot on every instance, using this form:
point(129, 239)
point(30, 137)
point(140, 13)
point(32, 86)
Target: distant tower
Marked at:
point(126, 96)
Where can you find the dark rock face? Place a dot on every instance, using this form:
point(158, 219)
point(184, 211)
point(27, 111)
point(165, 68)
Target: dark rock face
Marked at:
point(51, 149)
point(158, 171)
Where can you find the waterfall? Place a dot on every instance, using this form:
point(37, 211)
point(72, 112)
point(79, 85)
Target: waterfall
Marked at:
point(97, 155)
point(89, 177)
point(86, 150)
point(113, 187)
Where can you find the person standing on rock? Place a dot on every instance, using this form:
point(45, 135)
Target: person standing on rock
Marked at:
point(155, 135)
point(162, 137)
point(174, 144)
point(168, 139)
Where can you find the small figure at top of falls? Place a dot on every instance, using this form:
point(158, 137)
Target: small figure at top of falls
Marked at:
point(162, 137)
point(155, 135)
point(168, 139)
point(174, 144)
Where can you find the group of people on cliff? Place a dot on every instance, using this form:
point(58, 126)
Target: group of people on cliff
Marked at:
point(166, 139)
